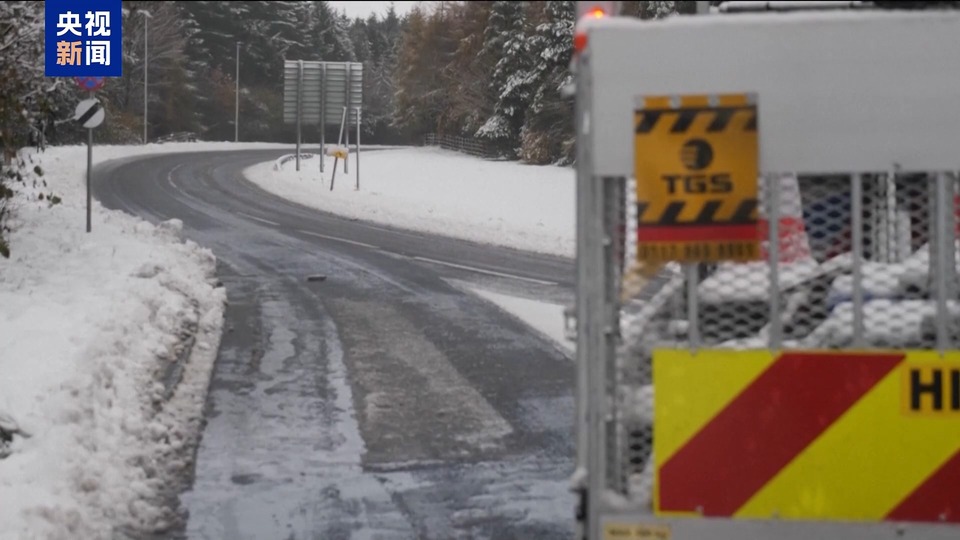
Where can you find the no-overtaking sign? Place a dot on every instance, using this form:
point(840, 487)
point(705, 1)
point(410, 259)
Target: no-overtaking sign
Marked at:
point(89, 113)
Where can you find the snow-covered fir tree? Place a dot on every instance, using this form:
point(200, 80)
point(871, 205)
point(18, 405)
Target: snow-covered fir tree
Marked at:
point(506, 38)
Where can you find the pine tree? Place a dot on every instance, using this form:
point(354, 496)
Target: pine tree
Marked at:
point(506, 39)
point(409, 75)
point(379, 85)
point(468, 71)
point(329, 35)
point(657, 9)
point(360, 40)
point(212, 30)
point(547, 134)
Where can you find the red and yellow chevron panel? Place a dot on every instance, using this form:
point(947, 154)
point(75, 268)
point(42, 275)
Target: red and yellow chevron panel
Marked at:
point(808, 435)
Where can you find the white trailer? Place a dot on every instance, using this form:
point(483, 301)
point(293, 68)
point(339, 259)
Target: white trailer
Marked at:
point(813, 392)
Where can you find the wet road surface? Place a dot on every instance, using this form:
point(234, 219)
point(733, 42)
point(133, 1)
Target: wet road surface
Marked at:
point(379, 400)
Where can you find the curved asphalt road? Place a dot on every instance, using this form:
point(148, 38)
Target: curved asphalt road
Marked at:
point(381, 402)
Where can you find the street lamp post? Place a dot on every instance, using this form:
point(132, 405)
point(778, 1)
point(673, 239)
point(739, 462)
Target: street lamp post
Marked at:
point(146, 65)
point(236, 112)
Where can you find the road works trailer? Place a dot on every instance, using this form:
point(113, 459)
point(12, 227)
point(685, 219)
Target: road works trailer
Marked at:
point(767, 307)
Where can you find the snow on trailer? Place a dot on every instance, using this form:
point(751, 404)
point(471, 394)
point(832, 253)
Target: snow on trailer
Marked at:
point(806, 394)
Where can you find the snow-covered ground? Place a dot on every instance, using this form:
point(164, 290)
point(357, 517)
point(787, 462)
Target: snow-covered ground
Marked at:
point(438, 191)
point(95, 332)
point(544, 317)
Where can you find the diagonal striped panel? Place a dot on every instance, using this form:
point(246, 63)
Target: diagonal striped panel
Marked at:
point(863, 465)
point(766, 426)
point(716, 377)
point(936, 499)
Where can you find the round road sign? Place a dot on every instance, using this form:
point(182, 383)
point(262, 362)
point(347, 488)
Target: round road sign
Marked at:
point(89, 113)
point(90, 83)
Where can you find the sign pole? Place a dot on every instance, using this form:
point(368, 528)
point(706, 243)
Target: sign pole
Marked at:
point(89, 169)
point(89, 166)
point(343, 120)
point(358, 149)
point(346, 119)
point(299, 106)
point(89, 114)
point(236, 110)
point(323, 114)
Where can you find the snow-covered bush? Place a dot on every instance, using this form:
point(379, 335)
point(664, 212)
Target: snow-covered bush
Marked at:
point(26, 98)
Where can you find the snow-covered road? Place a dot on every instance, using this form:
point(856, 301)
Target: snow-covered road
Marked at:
point(453, 420)
point(379, 399)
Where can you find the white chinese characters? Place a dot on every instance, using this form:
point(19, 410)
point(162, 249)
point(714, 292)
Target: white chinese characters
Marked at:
point(69, 22)
point(83, 49)
point(98, 23)
point(98, 52)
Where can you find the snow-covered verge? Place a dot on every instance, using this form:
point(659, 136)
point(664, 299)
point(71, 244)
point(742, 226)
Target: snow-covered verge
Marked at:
point(107, 342)
point(544, 317)
point(438, 191)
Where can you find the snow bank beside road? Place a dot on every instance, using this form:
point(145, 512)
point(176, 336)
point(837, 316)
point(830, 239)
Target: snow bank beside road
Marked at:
point(89, 326)
point(442, 192)
point(544, 317)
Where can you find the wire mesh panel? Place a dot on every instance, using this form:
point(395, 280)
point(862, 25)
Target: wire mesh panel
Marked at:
point(854, 261)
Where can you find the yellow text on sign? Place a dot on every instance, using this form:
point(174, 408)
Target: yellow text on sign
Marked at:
point(635, 531)
point(696, 165)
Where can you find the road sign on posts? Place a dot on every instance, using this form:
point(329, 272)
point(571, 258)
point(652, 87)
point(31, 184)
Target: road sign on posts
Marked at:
point(696, 168)
point(326, 86)
point(89, 114)
point(317, 93)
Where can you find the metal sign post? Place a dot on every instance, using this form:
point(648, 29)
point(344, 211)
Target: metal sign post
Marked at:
point(358, 149)
point(89, 114)
point(323, 115)
point(343, 122)
point(299, 106)
point(346, 118)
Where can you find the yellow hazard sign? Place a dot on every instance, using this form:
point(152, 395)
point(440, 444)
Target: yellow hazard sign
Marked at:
point(833, 435)
point(696, 166)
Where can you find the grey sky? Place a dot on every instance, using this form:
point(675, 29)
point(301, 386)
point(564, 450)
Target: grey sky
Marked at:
point(364, 9)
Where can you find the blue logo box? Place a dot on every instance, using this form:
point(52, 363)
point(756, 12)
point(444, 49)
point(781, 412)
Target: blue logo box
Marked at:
point(83, 38)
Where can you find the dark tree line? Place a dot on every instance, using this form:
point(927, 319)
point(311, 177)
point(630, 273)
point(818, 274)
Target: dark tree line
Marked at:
point(496, 71)
point(490, 70)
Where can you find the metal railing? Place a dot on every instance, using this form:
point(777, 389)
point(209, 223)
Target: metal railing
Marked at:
point(466, 145)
